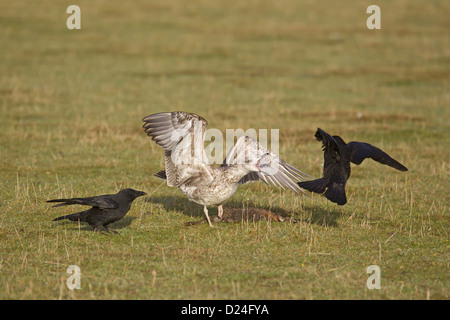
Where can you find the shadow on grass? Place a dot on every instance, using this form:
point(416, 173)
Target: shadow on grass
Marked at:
point(312, 215)
point(122, 223)
point(321, 216)
point(192, 209)
point(181, 204)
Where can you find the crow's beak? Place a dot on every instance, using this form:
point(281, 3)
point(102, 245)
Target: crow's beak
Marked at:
point(318, 135)
point(141, 193)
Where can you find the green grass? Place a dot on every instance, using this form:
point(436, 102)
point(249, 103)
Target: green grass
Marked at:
point(71, 104)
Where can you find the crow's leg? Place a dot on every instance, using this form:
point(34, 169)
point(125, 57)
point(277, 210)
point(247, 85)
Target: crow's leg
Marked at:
point(110, 230)
point(98, 227)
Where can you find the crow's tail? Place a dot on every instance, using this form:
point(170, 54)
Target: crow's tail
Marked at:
point(65, 202)
point(336, 193)
point(333, 191)
point(317, 186)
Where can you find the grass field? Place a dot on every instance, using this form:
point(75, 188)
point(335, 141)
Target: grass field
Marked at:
point(71, 103)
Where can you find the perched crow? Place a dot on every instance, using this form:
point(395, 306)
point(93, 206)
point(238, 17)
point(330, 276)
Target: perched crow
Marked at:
point(336, 170)
point(105, 209)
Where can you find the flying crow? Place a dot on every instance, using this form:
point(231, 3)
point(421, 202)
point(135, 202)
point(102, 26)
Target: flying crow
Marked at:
point(336, 169)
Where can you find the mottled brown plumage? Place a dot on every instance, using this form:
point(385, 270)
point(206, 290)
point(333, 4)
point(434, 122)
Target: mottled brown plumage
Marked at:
point(181, 135)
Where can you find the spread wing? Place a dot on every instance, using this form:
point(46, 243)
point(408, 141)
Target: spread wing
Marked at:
point(274, 170)
point(361, 150)
point(181, 135)
point(101, 202)
point(330, 144)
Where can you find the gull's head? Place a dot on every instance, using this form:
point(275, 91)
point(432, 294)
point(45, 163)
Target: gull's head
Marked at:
point(252, 166)
point(268, 164)
point(256, 163)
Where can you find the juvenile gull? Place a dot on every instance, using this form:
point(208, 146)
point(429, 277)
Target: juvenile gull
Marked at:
point(181, 135)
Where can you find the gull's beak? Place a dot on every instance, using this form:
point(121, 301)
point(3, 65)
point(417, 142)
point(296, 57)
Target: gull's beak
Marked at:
point(257, 165)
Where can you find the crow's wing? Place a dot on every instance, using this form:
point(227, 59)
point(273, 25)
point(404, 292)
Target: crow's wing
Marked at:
point(273, 169)
point(101, 202)
point(181, 135)
point(361, 150)
point(330, 143)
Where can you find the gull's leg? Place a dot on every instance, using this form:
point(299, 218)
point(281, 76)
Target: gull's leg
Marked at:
point(220, 209)
point(207, 217)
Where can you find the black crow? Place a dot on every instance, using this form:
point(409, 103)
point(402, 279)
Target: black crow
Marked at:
point(105, 209)
point(336, 168)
